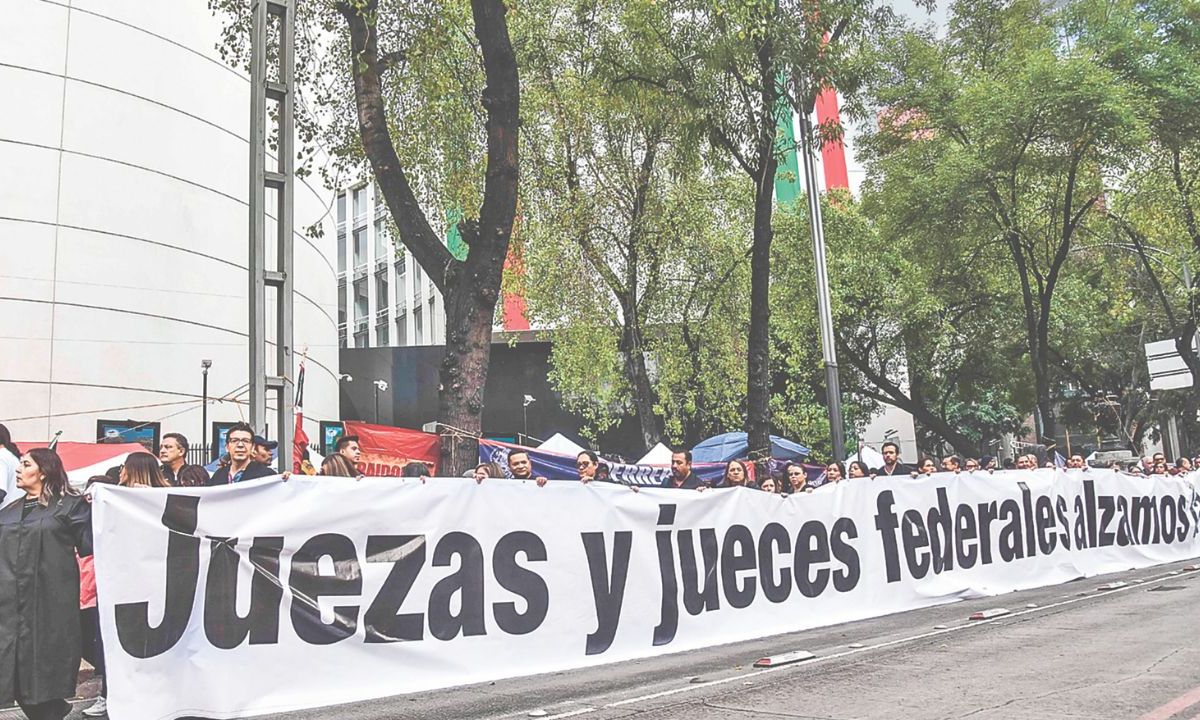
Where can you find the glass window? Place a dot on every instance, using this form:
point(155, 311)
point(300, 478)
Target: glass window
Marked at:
point(360, 246)
point(433, 336)
point(416, 277)
point(341, 251)
point(381, 291)
point(341, 208)
point(341, 304)
point(360, 204)
point(381, 240)
point(361, 307)
point(381, 335)
point(402, 330)
point(360, 339)
point(417, 332)
point(401, 268)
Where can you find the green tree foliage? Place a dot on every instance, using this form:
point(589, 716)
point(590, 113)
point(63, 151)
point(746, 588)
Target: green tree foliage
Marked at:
point(1001, 135)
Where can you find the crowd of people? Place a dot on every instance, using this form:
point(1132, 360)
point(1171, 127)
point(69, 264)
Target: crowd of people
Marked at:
point(47, 580)
point(795, 477)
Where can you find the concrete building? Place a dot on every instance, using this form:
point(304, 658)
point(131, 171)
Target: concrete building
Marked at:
point(383, 297)
point(123, 224)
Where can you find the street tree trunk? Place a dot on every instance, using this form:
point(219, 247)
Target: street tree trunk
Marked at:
point(758, 356)
point(470, 288)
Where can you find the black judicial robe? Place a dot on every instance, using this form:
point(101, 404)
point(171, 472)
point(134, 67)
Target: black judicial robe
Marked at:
point(39, 597)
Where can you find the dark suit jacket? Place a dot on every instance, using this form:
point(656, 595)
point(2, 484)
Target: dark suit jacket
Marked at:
point(253, 471)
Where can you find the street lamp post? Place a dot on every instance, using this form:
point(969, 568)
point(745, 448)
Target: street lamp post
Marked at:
point(525, 414)
point(204, 366)
point(380, 386)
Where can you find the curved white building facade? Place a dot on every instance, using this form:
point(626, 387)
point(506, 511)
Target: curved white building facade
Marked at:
point(123, 224)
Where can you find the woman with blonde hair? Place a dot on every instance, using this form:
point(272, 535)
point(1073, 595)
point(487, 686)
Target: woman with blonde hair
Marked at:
point(336, 465)
point(141, 469)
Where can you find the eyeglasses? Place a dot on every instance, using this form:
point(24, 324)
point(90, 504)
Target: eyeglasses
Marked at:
point(238, 441)
point(795, 473)
point(583, 463)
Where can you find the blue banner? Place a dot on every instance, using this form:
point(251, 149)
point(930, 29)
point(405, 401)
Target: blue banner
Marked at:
point(554, 466)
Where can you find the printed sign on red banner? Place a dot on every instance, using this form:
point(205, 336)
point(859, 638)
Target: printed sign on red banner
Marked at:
point(386, 450)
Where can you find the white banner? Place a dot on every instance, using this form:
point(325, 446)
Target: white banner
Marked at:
point(333, 590)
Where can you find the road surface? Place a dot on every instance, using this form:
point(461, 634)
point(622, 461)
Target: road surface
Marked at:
point(1082, 652)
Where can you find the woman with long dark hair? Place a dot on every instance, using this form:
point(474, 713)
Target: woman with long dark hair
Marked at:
point(10, 460)
point(735, 474)
point(40, 534)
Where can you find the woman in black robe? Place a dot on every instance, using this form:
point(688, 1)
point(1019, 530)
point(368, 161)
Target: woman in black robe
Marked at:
point(40, 533)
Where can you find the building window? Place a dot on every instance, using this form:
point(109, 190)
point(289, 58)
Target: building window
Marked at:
point(417, 331)
point(341, 208)
point(341, 249)
point(381, 240)
point(433, 336)
point(416, 277)
point(381, 334)
point(381, 291)
point(360, 339)
point(401, 330)
point(401, 268)
point(361, 305)
point(341, 304)
point(360, 247)
point(360, 205)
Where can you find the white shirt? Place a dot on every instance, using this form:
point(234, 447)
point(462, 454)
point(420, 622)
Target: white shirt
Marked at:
point(8, 474)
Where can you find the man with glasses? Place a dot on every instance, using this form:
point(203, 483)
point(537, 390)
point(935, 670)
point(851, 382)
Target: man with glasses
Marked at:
point(586, 464)
point(972, 465)
point(239, 442)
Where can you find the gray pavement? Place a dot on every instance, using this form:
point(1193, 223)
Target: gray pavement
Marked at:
point(1081, 653)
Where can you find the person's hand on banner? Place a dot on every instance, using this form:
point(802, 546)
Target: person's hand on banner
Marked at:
point(541, 481)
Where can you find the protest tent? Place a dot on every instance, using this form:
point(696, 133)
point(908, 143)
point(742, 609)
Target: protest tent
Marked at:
point(868, 455)
point(562, 445)
point(658, 455)
point(733, 445)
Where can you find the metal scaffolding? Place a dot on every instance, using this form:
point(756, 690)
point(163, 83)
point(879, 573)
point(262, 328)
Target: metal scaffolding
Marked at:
point(272, 47)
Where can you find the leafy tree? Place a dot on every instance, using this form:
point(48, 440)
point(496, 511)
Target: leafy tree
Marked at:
point(425, 97)
point(729, 63)
point(1003, 132)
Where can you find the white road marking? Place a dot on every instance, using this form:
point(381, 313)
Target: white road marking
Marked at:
point(854, 651)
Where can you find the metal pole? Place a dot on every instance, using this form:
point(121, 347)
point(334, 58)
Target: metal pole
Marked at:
point(204, 365)
point(257, 322)
point(525, 421)
point(376, 404)
point(281, 180)
point(824, 306)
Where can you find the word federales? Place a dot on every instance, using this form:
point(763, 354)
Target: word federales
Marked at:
point(936, 540)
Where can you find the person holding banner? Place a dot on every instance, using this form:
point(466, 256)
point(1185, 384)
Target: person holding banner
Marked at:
point(735, 474)
point(586, 463)
point(834, 473)
point(797, 478)
point(40, 534)
point(336, 465)
point(857, 469)
point(682, 477)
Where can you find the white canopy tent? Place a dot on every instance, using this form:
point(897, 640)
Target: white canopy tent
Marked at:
point(658, 455)
point(561, 444)
point(869, 455)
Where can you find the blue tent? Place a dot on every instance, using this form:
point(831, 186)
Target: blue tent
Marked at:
point(733, 445)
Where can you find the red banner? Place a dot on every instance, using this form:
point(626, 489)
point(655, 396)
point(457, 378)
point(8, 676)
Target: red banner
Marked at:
point(386, 450)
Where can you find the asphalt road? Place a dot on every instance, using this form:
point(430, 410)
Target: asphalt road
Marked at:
point(1081, 652)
